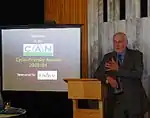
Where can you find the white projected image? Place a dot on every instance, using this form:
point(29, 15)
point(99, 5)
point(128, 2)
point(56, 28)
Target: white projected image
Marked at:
point(38, 59)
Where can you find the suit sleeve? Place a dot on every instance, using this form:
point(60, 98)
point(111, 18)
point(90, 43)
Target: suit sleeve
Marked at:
point(137, 71)
point(100, 72)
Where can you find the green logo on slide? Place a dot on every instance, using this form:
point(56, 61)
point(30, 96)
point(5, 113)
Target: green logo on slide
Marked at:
point(45, 49)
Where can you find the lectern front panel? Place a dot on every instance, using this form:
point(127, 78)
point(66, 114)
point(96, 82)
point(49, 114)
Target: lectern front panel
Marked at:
point(84, 90)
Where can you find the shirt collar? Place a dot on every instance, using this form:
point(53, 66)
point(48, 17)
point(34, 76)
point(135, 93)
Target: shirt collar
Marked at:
point(121, 53)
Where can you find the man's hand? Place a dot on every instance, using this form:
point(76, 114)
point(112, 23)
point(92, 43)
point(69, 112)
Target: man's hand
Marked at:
point(112, 82)
point(112, 65)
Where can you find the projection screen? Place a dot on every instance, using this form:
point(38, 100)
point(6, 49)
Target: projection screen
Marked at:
point(38, 59)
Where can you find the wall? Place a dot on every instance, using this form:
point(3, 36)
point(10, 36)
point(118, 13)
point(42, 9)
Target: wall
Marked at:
point(70, 12)
point(101, 33)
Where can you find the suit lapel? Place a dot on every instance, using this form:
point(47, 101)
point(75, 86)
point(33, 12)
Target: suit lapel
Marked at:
point(126, 58)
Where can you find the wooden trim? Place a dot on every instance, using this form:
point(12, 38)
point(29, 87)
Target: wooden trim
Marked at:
point(70, 12)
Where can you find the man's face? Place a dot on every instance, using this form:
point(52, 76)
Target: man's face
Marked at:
point(120, 43)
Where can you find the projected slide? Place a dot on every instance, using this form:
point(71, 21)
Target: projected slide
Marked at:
point(39, 59)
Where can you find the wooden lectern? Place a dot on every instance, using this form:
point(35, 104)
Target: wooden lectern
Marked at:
point(86, 88)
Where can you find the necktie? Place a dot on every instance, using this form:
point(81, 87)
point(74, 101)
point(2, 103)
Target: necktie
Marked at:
point(120, 58)
point(118, 79)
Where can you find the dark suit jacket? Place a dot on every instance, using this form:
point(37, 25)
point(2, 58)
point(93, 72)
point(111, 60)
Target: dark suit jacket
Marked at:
point(130, 73)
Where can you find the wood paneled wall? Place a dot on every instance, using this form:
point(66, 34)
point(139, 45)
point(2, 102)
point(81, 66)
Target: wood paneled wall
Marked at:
point(70, 12)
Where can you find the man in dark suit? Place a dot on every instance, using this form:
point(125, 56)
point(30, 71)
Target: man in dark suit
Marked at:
point(121, 70)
